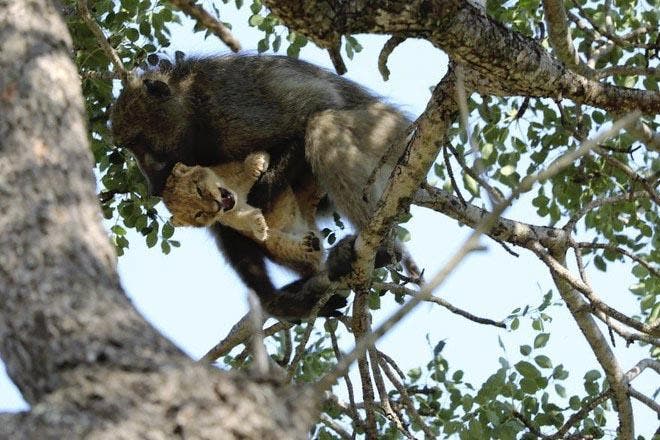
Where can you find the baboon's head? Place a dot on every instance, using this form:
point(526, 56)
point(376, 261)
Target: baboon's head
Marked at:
point(150, 118)
point(196, 196)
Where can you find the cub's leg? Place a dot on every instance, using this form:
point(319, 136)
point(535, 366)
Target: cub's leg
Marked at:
point(300, 253)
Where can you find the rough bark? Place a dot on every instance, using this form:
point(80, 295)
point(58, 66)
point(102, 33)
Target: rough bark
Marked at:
point(83, 358)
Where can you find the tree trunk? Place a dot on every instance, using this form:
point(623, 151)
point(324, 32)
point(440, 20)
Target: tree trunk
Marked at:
point(83, 358)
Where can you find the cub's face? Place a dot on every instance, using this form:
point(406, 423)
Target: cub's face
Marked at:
point(195, 196)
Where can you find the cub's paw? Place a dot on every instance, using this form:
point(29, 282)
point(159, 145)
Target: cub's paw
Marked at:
point(257, 163)
point(311, 242)
point(259, 227)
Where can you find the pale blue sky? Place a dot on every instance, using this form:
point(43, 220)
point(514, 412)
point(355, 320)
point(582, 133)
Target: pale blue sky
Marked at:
point(194, 298)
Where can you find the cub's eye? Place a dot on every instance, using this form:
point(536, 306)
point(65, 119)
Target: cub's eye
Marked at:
point(198, 215)
point(199, 192)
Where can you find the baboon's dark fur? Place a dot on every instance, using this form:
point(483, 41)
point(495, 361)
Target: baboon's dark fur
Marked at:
point(208, 111)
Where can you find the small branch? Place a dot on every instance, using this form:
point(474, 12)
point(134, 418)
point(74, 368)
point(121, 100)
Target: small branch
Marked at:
point(385, 53)
point(337, 60)
point(441, 302)
point(570, 225)
point(635, 177)
point(580, 414)
point(613, 248)
point(330, 423)
point(450, 172)
point(285, 334)
point(300, 350)
point(352, 409)
point(392, 364)
point(405, 398)
point(645, 400)
point(560, 38)
point(588, 292)
point(209, 22)
point(103, 76)
point(494, 195)
point(239, 334)
point(386, 404)
point(626, 71)
point(640, 367)
point(93, 26)
point(361, 327)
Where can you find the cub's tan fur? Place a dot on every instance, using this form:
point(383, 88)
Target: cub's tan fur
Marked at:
point(197, 196)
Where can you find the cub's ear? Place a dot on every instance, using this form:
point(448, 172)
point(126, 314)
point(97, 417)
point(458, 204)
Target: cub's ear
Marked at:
point(158, 89)
point(179, 169)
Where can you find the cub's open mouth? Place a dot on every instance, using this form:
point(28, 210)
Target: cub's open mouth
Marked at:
point(227, 200)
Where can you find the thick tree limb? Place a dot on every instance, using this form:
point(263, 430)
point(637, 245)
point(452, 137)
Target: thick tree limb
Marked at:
point(506, 63)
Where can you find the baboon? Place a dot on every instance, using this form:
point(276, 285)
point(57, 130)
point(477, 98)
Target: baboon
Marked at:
point(315, 125)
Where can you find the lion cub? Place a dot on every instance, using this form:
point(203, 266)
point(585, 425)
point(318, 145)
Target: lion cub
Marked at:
point(200, 196)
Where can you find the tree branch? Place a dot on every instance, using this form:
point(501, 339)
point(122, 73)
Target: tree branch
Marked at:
point(505, 62)
point(93, 26)
point(209, 22)
point(441, 302)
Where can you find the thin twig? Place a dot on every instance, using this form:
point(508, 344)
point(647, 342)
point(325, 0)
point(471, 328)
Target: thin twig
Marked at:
point(450, 172)
point(641, 366)
point(588, 292)
point(385, 403)
point(300, 350)
point(635, 177)
point(330, 423)
point(495, 195)
point(570, 224)
point(613, 248)
point(94, 27)
point(209, 22)
point(645, 400)
point(239, 334)
point(396, 288)
point(385, 53)
point(405, 398)
point(352, 409)
point(337, 61)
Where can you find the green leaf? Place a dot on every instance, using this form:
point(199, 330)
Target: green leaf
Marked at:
point(528, 370)
point(168, 230)
point(561, 391)
point(152, 238)
point(543, 361)
point(525, 350)
point(541, 339)
point(255, 20)
point(262, 45)
point(132, 34)
point(592, 375)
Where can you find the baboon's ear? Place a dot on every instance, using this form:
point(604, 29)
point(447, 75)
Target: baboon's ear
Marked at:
point(157, 89)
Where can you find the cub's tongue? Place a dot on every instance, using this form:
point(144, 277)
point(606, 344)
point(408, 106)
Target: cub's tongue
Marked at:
point(227, 199)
